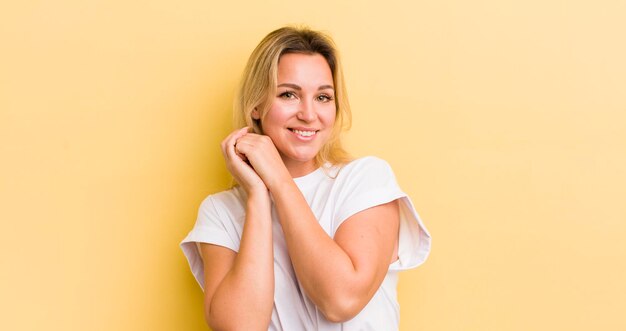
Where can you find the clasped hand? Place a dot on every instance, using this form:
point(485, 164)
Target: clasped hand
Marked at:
point(253, 160)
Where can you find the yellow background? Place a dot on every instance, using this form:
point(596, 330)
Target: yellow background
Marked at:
point(504, 120)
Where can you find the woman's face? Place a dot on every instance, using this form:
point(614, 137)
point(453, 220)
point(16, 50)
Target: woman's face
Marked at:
point(302, 115)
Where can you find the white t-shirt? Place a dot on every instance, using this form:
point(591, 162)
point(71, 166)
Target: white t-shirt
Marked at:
point(334, 194)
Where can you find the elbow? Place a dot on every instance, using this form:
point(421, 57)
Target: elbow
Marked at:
point(339, 310)
point(233, 325)
point(246, 322)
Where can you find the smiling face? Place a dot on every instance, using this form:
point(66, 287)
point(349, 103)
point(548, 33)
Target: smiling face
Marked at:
point(301, 117)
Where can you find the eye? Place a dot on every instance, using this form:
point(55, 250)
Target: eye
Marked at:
point(287, 95)
point(324, 98)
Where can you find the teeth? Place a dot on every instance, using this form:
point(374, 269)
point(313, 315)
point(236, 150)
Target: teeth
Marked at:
point(304, 133)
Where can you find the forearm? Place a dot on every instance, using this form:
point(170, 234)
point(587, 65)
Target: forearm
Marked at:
point(329, 277)
point(244, 298)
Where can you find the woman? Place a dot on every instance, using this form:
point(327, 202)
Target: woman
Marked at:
point(309, 239)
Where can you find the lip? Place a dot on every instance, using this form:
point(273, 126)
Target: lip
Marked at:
point(300, 128)
point(300, 137)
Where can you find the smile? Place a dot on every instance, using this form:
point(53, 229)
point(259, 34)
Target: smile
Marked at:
point(304, 133)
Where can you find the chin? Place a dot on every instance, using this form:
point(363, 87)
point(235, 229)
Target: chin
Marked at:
point(303, 157)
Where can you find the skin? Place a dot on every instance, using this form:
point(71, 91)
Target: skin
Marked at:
point(339, 275)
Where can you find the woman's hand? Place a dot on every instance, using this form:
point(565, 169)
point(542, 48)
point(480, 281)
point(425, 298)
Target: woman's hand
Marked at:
point(238, 165)
point(259, 151)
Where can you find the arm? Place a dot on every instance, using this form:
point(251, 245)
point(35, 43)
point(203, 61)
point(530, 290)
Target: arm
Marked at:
point(341, 275)
point(239, 287)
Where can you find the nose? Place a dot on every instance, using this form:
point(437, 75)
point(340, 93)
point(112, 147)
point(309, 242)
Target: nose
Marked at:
point(306, 112)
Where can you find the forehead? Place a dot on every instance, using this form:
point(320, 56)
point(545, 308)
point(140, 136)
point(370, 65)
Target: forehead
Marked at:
point(298, 67)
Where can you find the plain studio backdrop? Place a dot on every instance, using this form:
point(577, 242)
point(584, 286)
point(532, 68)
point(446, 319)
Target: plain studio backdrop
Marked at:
point(505, 121)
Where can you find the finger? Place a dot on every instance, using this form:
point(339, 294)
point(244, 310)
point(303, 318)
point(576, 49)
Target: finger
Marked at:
point(229, 142)
point(235, 135)
point(237, 138)
point(238, 134)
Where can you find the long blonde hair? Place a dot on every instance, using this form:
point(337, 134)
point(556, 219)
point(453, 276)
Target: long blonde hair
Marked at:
point(260, 79)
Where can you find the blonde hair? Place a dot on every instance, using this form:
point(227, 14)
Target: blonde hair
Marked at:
point(260, 79)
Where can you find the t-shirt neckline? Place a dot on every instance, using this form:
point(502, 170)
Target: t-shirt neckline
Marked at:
point(310, 178)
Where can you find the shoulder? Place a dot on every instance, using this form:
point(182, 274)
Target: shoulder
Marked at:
point(228, 201)
point(368, 174)
point(365, 167)
point(364, 183)
point(368, 162)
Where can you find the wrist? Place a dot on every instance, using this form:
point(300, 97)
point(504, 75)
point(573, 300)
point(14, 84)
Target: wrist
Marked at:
point(285, 187)
point(279, 183)
point(258, 197)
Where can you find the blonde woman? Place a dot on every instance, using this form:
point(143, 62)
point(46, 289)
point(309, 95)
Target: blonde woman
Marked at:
point(309, 239)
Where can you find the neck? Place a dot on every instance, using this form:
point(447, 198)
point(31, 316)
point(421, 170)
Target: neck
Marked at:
point(299, 169)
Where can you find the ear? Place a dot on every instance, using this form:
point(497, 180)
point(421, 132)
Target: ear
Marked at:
point(255, 114)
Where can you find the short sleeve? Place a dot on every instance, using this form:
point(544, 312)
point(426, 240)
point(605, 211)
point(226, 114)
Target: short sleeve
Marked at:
point(370, 182)
point(212, 228)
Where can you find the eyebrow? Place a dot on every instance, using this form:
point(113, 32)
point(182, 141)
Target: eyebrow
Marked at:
point(296, 87)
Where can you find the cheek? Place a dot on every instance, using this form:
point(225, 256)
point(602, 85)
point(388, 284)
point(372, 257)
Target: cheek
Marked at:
point(273, 121)
point(281, 112)
point(330, 117)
